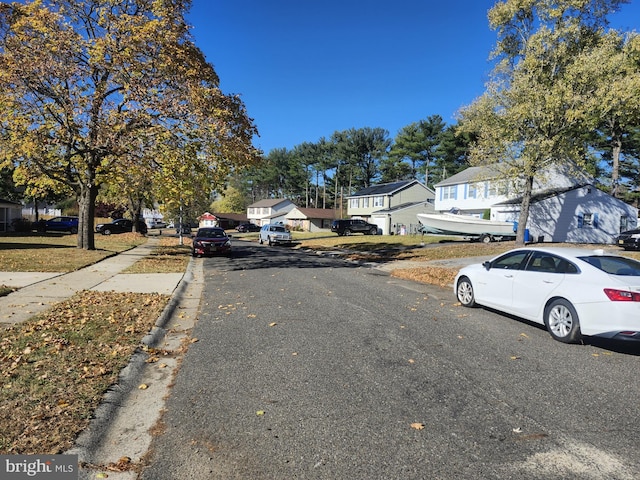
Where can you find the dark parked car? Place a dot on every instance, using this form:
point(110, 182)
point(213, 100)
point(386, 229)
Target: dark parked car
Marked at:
point(183, 229)
point(630, 240)
point(248, 227)
point(347, 227)
point(122, 225)
point(58, 224)
point(210, 241)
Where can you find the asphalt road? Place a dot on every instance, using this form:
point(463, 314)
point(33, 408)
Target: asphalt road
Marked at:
point(307, 367)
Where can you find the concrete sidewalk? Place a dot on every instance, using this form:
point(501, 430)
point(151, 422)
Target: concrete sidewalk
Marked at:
point(37, 291)
point(123, 423)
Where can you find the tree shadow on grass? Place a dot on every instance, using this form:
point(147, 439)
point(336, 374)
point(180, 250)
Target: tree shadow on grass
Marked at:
point(32, 246)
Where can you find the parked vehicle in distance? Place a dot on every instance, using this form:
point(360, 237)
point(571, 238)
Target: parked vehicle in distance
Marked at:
point(210, 241)
point(121, 225)
point(572, 291)
point(58, 224)
point(248, 227)
point(630, 240)
point(355, 225)
point(183, 229)
point(156, 223)
point(274, 234)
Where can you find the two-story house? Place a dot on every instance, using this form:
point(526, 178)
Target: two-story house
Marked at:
point(565, 205)
point(269, 210)
point(392, 206)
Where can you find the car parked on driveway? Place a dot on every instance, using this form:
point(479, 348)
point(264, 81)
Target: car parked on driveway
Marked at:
point(210, 241)
point(58, 224)
point(630, 240)
point(274, 234)
point(121, 225)
point(156, 223)
point(356, 225)
point(248, 227)
point(572, 291)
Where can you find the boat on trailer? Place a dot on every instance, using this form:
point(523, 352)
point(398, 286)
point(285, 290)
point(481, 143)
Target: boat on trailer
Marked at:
point(466, 225)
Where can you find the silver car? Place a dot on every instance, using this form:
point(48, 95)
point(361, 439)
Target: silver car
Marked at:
point(274, 234)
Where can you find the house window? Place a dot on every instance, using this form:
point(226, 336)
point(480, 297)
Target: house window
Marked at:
point(624, 223)
point(472, 192)
point(449, 193)
point(588, 220)
point(365, 202)
point(378, 201)
point(353, 203)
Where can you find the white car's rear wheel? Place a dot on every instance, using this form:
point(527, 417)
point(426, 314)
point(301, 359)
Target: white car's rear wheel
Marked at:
point(464, 292)
point(562, 322)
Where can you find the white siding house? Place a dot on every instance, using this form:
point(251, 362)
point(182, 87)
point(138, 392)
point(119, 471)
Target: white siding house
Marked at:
point(476, 189)
point(270, 210)
point(565, 206)
point(582, 214)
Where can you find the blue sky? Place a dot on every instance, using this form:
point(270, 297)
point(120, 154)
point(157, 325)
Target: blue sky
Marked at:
point(306, 69)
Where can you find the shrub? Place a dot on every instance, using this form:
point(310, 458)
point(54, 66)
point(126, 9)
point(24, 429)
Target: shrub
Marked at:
point(21, 225)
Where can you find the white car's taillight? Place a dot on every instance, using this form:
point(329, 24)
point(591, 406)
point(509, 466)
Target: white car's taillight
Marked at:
point(622, 295)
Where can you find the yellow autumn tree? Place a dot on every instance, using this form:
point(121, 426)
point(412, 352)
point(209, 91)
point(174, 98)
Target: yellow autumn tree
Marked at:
point(82, 82)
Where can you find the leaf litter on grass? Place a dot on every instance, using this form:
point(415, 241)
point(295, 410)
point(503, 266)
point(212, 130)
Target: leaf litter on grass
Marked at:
point(57, 366)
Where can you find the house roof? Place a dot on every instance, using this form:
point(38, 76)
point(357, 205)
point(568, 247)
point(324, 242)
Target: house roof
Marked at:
point(269, 202)
point(320, 213)
point(385, 188)
point(10, 202)
point(543, 195)
point(471, 174)
point(495, 170)
point(404, 206)
point(238, 217)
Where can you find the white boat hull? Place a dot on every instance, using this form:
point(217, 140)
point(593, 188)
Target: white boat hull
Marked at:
point(447, 223)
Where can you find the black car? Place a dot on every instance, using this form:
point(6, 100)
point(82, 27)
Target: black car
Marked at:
point(630, 240)
point(211, 241)
point(248, 227)
point(58, 224)
point(347, 227)
point(122, 225)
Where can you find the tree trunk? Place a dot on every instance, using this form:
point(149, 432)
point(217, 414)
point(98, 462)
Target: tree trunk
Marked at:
point(616, 148)
point(86, 206)
point(524, 211)
point(135, 207)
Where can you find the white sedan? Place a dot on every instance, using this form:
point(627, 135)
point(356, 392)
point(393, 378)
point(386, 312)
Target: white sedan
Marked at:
point(572, 291)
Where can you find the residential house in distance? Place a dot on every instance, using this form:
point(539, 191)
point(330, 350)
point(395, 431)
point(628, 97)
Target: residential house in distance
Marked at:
point(310, 219)
point(270, 210)
point(227, 221)
point(565, 205)
point(9, 211)
point(392, 206)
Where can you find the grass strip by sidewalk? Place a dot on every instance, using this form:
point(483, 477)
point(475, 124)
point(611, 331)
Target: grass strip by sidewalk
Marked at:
point(57, 366)
point(39, 252)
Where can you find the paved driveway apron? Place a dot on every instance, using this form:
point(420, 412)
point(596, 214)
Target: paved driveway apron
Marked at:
point(310, 367)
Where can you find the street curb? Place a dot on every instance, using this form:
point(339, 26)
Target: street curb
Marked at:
point(128, 379)
point(158, 332)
